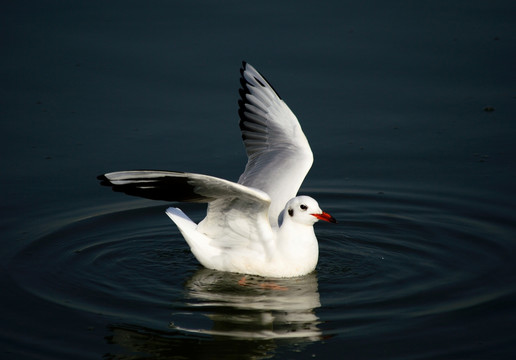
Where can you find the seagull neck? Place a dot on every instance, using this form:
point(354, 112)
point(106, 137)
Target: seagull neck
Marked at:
point(293, 231)
point(298, 245)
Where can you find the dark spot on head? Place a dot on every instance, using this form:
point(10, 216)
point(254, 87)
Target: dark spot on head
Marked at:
point(291, 212)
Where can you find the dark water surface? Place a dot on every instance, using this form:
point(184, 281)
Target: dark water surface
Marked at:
point(410, 110)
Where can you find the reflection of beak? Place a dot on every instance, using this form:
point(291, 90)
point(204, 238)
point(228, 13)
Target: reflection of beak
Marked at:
point(325, 216)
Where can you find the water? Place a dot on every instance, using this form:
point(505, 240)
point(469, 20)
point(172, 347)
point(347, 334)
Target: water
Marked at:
point(403, 267)
point(409, 157)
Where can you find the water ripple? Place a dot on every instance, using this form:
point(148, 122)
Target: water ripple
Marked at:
point(397, 260)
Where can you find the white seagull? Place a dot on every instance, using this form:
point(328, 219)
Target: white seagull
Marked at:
point(257, 226)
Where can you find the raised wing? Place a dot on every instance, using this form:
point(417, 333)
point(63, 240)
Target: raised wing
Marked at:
point(279, 156)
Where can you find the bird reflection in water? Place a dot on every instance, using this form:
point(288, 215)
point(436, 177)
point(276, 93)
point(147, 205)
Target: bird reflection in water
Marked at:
point(219, 315)
point(255, 308)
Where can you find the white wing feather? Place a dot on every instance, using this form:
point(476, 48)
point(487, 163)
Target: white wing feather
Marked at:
point(279, 156)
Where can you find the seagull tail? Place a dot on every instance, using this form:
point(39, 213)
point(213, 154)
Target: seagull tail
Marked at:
point(200, 244)
point(183, 222)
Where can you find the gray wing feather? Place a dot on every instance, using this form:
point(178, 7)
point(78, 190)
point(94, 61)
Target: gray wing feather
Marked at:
point(279, 156)
point(236, 213)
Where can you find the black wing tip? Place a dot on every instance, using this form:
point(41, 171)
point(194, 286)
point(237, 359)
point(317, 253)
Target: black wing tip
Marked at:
point(244, 91)
point(245, 84)
point(243, 68)
point(104, 181)
point(168, 186)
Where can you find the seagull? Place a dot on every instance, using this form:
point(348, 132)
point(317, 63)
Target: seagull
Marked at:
point(258, 225)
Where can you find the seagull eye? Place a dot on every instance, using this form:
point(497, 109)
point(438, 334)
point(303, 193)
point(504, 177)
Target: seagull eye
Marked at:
point(303, 207)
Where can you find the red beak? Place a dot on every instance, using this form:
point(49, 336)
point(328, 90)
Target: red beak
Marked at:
point(325, 216)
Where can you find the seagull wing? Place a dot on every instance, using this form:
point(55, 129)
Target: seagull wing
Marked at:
point(237, 215)
point(279, 156)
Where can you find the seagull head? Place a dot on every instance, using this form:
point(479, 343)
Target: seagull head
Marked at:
point(305, 210)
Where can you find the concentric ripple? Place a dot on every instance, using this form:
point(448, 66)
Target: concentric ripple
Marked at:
point(397, 261)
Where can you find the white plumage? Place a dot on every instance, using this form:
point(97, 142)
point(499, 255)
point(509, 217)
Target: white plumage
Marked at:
point(258, 225)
